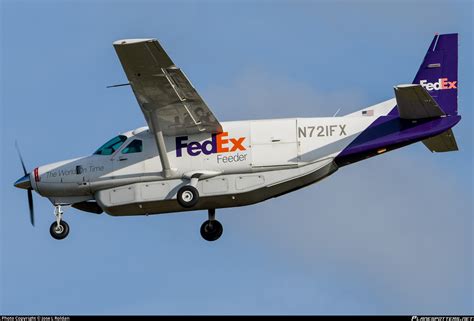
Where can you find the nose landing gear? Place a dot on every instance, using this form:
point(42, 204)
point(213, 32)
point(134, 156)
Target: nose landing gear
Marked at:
point(59, 229)
point(211, 230)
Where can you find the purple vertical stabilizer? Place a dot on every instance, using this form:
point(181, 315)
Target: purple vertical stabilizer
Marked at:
point(438, 73)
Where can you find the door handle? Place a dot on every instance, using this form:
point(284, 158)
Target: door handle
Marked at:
point(122, 158)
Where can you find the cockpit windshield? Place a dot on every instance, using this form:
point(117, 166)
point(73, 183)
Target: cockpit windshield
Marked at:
point(111, 146)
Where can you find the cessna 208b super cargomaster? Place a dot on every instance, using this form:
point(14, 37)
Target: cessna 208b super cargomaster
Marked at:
point(187, 160)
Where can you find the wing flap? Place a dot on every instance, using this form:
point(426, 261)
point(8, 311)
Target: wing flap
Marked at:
point(414, 102)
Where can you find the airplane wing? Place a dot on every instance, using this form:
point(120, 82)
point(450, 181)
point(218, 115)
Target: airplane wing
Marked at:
point(166, 96)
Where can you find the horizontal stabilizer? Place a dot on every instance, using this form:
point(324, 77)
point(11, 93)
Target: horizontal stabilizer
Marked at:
point(414, 102)
point(444, 142)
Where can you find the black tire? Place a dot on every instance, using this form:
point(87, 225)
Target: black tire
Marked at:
point(188, 196)
point(60, 233)
point(211, 230)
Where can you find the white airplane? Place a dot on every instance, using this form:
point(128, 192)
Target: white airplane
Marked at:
point(187, 160)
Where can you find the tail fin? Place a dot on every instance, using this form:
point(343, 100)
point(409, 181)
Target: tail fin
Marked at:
point(438, 73)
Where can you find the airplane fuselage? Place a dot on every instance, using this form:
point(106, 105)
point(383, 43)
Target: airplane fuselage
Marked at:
point(248, 162)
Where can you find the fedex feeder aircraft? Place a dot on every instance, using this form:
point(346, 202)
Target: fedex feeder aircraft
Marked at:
point(187, 160)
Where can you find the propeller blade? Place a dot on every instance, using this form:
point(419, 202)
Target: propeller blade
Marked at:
point(21, 158)
point(30, 204)
point(30, 193)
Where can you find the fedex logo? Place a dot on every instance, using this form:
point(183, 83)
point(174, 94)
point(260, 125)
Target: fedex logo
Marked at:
point(442, 83)
point(219, 143)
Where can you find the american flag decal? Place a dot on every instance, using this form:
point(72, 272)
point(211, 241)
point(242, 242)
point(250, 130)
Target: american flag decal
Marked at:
point(369, 112)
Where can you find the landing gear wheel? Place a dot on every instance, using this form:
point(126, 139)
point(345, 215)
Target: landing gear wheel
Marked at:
point(59, 232)
point(211, 230)
point(188, 196)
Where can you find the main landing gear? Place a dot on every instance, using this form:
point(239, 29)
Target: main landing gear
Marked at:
point(59, 229)
point(212, 229)
point(188, 195)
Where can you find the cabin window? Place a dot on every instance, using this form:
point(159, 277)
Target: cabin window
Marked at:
point(136, 146)
point(111, 146)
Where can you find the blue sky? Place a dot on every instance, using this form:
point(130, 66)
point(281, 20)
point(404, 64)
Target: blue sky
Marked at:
point(392, 234)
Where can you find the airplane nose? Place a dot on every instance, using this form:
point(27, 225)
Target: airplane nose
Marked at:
point(23, 182)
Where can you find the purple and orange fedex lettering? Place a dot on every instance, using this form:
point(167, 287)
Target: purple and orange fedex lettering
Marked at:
point(219, 143)
point(442, 84)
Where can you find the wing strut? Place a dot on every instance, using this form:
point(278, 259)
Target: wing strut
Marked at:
point(160, 143)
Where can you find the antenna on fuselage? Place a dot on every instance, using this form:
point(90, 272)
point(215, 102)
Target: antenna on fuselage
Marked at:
point(337, 112)
point(120, 85)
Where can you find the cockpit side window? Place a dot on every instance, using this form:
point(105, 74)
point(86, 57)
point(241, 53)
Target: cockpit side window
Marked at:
point(136, 146)
point(111, 146)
